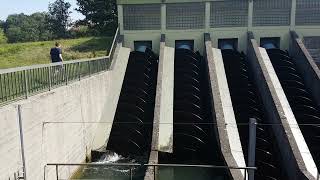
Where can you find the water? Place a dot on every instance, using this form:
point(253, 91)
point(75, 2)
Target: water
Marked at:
point(114, 172)
point(190, 173)
point(164, 173)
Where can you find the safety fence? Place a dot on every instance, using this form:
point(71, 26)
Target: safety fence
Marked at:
point(129, 170)
point(22, 82)
point(259, 143)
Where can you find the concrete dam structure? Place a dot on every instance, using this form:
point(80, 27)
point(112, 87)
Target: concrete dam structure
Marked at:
point(191, 90)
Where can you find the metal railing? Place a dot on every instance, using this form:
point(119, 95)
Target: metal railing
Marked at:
point(131, 166)
point(22, 82)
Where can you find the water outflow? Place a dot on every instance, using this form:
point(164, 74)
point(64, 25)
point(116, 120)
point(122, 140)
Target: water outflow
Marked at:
point(300, 99)
point(194, 141)
point(247, 104)
point(132, 128)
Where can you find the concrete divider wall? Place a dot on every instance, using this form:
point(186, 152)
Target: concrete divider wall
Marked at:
point(165, 143)
point(294, 152)
point(306, 66)
point(162, 138)
point(53, 128)
point(117, 75)
point(227, 130)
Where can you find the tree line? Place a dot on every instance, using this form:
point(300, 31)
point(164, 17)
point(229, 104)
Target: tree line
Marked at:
point(100, 19)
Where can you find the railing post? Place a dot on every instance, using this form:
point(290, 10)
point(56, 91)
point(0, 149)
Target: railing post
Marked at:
point(252, 147)
point(26, 83)
point(44, 172)
point(22, 142)
point(130, 173)
point(49, 77)
point(79, 70)
point(245, 174)
point(65, 71)
point(154, 172)
point(57, 172)
point(89, 68)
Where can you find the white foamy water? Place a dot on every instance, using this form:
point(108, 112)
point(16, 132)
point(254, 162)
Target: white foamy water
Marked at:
point(114, 172)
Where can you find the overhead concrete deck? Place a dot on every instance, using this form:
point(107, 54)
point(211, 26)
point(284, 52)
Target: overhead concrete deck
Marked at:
point(119, 67)
point(294, 151)
point(227, 129)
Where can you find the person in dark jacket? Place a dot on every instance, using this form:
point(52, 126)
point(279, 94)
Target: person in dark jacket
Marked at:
point(56, 53)
point(56, 57)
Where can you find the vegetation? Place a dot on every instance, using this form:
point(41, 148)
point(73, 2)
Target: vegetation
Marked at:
point(27, 39)
point(3, 38)
point(100, 15)
point(24, 28)
point(24, 54)
point(59, 18)
point(100, 20)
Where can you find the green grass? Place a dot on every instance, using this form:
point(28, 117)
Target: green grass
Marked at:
point(25, 54)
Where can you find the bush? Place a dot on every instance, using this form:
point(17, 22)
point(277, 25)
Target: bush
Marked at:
point(3, 38)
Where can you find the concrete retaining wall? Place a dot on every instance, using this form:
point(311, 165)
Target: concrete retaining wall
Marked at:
point(61, 126)
point(293, 149)
point(53, 128)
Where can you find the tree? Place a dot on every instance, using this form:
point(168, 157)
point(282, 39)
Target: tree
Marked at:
point(23, 28)
point(2, 24)
point(100, 15)
point(41, 21)
point(59, 18)
point(3, 38)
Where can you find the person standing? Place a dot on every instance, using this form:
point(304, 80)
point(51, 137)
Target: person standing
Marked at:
point(56, 53)
point(56, 57)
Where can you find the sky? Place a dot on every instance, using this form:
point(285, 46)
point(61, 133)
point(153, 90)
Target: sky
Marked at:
point(8, 7)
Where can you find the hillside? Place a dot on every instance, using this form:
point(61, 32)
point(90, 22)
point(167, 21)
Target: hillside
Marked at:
point(25, 54)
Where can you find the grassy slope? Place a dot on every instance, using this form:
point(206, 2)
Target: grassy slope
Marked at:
point(24, 54)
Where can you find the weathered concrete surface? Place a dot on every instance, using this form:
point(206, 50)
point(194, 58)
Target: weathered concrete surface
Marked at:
point(54, 128)
point(166, 102)
point(9, 142)
point(162, 136)
point(293, 148)
point(227, 129)
point(117, 76)
point(306, 66)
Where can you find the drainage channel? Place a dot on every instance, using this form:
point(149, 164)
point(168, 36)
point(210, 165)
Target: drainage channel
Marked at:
point(247, 104)
point(300, 99)
point(130, 138)
point(194, 140)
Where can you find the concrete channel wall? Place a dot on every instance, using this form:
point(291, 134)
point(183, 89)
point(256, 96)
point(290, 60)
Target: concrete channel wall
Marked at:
point(162, 137)
point(294, 152)
point(53, 128)
point(60, 126)
point(306, 66)
point(227, 129)
point(117, 75)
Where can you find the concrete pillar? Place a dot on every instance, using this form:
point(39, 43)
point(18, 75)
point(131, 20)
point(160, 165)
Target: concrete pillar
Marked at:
point(293, 15)
point(163, 18)
point(207, 17)
point(120, 18)
point(250, 15)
